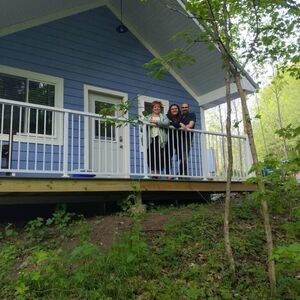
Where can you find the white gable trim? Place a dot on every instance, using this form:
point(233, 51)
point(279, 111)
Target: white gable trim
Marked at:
point(221, 92)
point(51, 17)
point(217, 94)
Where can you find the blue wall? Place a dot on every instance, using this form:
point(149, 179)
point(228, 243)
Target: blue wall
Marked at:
point(87, 49)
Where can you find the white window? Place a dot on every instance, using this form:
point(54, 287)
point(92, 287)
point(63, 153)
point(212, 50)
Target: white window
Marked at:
point(34, 88)
point(144, 105)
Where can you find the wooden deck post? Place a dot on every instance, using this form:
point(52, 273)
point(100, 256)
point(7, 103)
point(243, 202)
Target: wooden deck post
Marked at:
point(138, 201)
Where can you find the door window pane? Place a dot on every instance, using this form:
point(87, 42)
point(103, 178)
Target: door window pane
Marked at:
point(107, 129)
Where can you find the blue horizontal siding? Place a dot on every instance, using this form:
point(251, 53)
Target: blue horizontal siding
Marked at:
point(87, 49)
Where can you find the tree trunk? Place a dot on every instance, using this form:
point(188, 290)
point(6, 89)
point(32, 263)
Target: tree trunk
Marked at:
point(265, 212)
point(228, 182)
point(223, 145)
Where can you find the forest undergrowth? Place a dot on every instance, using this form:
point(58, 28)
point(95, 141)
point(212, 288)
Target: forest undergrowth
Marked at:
point(57, 258)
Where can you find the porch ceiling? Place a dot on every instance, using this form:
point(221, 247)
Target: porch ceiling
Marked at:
point(16, 15)
point(152, 22)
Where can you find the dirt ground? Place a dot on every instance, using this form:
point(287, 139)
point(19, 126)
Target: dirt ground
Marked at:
point(104, 229)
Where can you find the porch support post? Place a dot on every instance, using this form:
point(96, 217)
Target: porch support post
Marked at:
point(66, 144)
point(203, 145)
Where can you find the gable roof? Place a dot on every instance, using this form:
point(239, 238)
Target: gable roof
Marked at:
point(152, 22)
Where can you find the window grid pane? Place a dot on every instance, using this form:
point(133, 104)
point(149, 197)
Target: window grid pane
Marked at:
point(18, 89)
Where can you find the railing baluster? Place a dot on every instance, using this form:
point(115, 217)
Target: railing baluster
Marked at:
point(111, 141)
point(105, 148)
point(66, 144)
point(79, 142)
point(134, 149)
point(51, 157)
point(10, 137)
point(198, 166)
point(117, 135)
point(44, 138)
point(36, 143)
point(204, 156)
point(192, 153)
point(72, 143)
point(19, 141)
point(99, 147)
point(146, 139)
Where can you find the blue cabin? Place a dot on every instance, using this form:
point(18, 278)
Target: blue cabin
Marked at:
point(64, 62)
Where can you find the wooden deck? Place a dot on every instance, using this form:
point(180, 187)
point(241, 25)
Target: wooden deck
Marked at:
point(12, 186)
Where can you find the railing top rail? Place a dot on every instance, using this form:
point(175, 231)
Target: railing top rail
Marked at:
point(222, 134)
point(88, 114)
point(201, 131)
point(57, 109)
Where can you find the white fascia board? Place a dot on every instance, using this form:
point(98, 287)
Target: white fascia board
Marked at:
point(51, 17)
point(221, 92)
point(247, 86)
point(216, 94)
point(153, 51)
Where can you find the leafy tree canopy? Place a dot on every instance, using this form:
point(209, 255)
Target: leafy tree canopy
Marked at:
point(260, 31)
point(287, 89)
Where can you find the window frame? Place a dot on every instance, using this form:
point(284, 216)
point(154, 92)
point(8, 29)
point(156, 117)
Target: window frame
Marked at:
point(58, 82)
point(141, 103)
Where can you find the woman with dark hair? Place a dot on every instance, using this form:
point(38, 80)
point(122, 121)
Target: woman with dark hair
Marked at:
point(174, 140)
point(157, 138)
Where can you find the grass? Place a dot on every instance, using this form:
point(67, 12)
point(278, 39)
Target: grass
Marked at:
point(56, 259)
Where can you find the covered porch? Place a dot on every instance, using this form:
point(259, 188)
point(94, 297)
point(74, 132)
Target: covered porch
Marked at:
point(62, 61)
point(43, 141)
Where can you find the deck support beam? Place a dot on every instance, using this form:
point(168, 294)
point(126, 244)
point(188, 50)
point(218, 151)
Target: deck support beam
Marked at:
point(16, 186)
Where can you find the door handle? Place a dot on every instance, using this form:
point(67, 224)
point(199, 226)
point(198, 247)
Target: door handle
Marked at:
point(120, 139)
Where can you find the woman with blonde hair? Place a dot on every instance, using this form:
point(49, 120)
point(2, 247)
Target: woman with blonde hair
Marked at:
point(156, 137)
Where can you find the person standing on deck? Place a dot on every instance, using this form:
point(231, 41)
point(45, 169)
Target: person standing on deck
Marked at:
point(188, 121)
point(157, 138)
point(174, 139)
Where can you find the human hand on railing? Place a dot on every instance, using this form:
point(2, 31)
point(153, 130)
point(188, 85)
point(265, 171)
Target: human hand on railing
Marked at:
point(182, 126)
point(152, 121)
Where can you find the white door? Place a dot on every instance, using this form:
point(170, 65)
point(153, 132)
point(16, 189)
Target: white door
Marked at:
point(107, 140)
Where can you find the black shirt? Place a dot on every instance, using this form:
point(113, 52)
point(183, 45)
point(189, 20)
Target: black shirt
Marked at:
point(185, 119)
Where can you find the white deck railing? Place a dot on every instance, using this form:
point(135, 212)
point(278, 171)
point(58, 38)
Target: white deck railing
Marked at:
point(38, 140)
